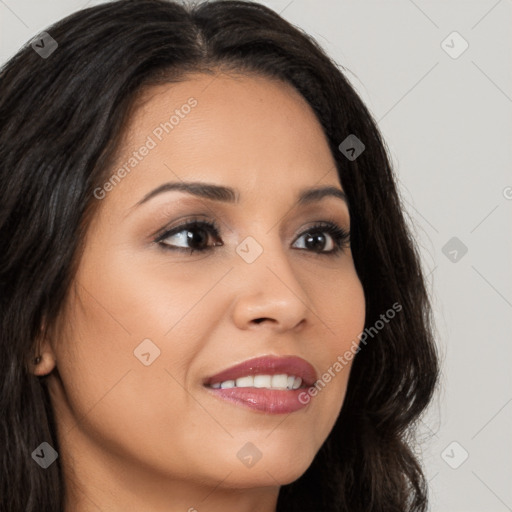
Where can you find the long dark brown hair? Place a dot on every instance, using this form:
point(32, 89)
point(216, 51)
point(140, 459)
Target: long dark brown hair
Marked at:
point(61, 122)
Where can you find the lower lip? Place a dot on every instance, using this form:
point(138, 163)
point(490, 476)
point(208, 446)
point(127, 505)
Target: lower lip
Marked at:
point(272, 401)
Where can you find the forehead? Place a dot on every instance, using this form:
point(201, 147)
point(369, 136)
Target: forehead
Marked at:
point(247, 132)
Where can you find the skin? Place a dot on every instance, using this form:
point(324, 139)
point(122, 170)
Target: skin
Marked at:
point(150, 438)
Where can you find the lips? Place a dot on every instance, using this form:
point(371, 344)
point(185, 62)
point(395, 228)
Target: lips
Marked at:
point(267, 365)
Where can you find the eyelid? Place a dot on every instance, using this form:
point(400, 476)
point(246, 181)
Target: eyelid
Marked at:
point(190, 219)
point(186, 220)
point(329, 224)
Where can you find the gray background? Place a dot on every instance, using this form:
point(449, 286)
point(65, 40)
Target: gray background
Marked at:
point(448, 125)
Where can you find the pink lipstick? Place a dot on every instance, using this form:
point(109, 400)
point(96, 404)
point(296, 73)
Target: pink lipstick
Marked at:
point(270, 384)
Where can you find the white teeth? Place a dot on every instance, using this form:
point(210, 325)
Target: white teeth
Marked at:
point(262, 381)
point(280, 381)
point(245, 382)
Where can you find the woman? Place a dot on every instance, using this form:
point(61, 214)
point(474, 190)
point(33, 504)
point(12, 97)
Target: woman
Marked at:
point(202, 241)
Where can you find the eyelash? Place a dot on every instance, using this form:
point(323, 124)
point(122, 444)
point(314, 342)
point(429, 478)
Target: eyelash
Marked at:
point(339, 235)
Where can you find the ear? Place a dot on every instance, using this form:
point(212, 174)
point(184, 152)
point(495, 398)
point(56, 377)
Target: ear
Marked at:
point(43, 359)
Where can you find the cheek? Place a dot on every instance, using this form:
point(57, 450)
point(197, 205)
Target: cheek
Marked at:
point(135, 295)
point(341, 309)
point(126, 406)
point(342, 319)
point(349, 324)
point(107, 319)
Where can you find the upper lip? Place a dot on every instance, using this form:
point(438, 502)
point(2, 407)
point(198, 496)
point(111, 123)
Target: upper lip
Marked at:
point(268, 365)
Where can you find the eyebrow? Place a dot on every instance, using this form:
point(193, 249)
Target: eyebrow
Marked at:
point(230, 195)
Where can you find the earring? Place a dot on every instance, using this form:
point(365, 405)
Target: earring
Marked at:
point(37, 360)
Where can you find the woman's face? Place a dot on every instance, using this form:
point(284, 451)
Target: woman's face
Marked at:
point(150, 323)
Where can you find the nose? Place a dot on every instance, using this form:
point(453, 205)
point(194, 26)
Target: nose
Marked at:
point(268, 291)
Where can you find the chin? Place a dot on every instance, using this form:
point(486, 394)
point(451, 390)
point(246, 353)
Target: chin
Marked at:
point(277, 467)
point(264, 477)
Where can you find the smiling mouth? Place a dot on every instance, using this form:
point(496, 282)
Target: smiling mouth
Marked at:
point(281, 381)
point(269, 384)
point(270, 372)
point(262, 400)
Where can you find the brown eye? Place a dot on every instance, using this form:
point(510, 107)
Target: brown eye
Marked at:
point(316, 240)
point(191, 236)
